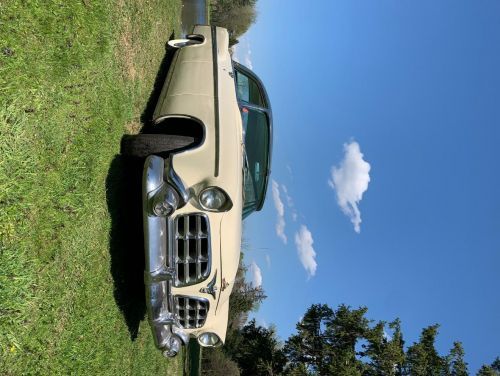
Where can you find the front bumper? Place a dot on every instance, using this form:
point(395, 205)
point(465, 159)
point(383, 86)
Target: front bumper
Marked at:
point(163, 193)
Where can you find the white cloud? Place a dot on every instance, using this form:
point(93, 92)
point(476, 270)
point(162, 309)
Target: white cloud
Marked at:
point(289, 202)
point(256, 274)
point(350, 180)
point(280, 209)
point(305, 250)
point(268, 261)
point(242, 52)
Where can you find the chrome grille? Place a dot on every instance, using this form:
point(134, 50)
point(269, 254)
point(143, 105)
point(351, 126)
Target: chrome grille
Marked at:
point(192, 311)
point(191, 249)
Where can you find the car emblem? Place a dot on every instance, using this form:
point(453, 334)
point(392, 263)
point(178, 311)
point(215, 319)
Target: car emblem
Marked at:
point(211, 288)
point(224, 284)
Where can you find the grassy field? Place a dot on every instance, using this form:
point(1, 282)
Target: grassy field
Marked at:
point(75, 76)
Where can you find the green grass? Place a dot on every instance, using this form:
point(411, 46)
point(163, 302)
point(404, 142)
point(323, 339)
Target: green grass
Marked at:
point(74, 76)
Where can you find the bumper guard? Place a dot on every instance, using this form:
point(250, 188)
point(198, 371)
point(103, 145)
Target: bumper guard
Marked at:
point(162, 193)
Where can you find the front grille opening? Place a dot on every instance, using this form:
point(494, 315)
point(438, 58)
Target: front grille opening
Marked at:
point(192, 312)
point(204, 268)
point(180, 272)
point(203, 227)
point(192, 249)
point(192, 226)
point(180, 226)
point(192, 271)
point(204, 248)
point(181, 252)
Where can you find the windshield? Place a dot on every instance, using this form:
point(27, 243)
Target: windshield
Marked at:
point(247, 90)
point(256, 130)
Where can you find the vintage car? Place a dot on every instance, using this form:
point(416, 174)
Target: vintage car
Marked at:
point(207, 167)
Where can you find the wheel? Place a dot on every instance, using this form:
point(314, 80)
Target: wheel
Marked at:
point(142, 145)
point(179, 43)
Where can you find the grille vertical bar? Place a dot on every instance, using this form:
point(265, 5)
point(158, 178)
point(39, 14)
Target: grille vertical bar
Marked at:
point(192, 311)
point(192, 249)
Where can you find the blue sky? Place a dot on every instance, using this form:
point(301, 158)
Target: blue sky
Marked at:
point(391, 108)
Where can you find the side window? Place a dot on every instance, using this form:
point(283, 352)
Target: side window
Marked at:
point(247, 89)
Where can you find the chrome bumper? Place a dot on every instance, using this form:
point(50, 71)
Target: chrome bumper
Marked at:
point(162, 194)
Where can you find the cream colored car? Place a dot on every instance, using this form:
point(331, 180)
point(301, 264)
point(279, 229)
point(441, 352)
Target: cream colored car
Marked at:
point(207, 168)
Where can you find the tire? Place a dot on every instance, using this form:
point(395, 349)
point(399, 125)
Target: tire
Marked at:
point(179, 43)
point(142, 145)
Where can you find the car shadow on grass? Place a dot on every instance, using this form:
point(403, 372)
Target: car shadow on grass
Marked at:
point(124, 199)
point(126, 239)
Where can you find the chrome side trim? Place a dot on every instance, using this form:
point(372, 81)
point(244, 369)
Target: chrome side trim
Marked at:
point(216, 98)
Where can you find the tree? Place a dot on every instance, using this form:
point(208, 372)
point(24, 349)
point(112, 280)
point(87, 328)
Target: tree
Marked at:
point(491, 370)
point(310, 345)
point(347, 327)
point(416, 361)
point(235, 15)
point(244, 298)
point(257, 351)
point(386, 354)
point(422, 359)
point(496, 364)
point(487, 371)
point(455, 363)
point(298, 370)
point(326, 340)
point(326, 344)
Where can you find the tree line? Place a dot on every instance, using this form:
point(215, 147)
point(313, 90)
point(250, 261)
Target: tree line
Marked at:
point(336, 342)
point(235, 15)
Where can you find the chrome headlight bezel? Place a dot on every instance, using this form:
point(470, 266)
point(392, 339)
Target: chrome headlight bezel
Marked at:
point(215, 193)
point(209, 339)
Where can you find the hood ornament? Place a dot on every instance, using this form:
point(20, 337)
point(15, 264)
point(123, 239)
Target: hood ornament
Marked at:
point(211, 288)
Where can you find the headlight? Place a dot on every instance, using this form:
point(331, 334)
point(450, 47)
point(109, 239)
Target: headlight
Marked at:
point(214, 199)
point(209, 340)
